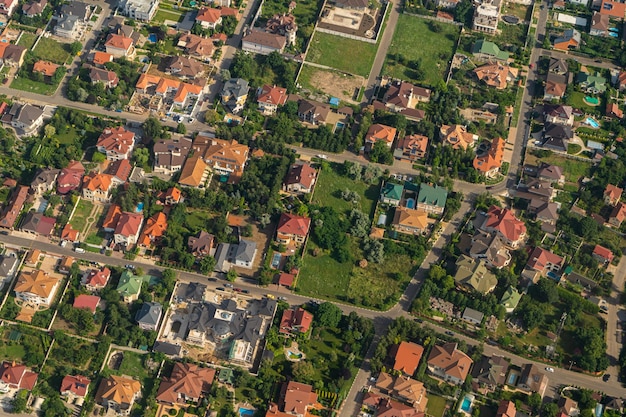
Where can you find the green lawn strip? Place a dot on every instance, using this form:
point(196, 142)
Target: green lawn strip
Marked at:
point(434, 52)
point(81, 214)
point(51, 50)
point(163, 15)
point(31, 86)
point(355, 57)
point(27, 40)
point(322, 276)
point(436, 405)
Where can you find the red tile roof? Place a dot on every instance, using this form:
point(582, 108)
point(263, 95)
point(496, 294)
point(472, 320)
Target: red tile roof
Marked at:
point(186, 382)
point(129, 224)
point(112, 217)
point(378, 132)
point(303, 174)
point(613, 192)
point(454, 362)
point(116, 139)
point(17, 376)
point(47, 68)
point(272, 95)
point(408, 357)
point(540, 258)
point(70, 177)
point(297, 397)
point(506, 409)
point(209, 14)
point(295, 319)
point(77, 385)
point(118, 41)
point(504, 221)
point(292, 224)
point(603, 253)
point(286, 279)
point(120, 169)
point(154, 229)
point(69, 234)
point(90, 302)
point(101, 58)
point(98, 277)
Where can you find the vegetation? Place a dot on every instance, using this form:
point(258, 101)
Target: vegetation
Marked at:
point(349, 55)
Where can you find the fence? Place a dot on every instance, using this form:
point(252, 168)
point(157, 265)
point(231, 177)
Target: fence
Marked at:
point(358, 38)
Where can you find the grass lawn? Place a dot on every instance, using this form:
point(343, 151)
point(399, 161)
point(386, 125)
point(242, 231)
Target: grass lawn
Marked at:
point(26, 84)
point(344, 54)
point(306, 12)
point(133, 365)
point(314, 278)
point(434, 52)
point(436, 405)
point(196, 220)
point(576, 99)
point(163, 15)
point(572, 169)
point(81, 214)
point(27, 40)
point(519, 10)
point(51, 50)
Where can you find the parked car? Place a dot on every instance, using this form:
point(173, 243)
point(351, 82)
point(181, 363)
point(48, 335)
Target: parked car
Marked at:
point(129, 266)
point(237, 289)
point(245, 292)
point(282, 298)
point(228, 285)
point(606, 377)
point(212, 279)
point(270, 296)
point(549, 369)
point(220, 289)
point(449, 333)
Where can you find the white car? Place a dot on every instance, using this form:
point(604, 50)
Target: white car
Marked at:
point(321, 156)
point(549, 369)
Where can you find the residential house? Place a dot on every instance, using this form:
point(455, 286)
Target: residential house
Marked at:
point(613, 111)
point(76, 8)
point(472, 316)
point(283, 24)
point(38, 224)
point(36, 287)
point(483, 49)
point(285, 279)
point(120, 46)
point(457, 136)
point(263, 43)
point(490, 373)
point(170, 155)
point(602, 254)
point(148, 316)
point(118, 393)
point(411, 222)
point(127, 229)
point(300, 179)
point(153, 231)
point(16, 376)
point(296, 398)
point(97, 187)
point(504, 223)
point(599, 24)
point(544, 261)
point(241, 254)
point(558, 66)
point(34, 8)
point(405, 389)
point(411, 148)
point(194, 173)
point(556, 137)
point(197, 46)
point(496, 75)
point(225, 157)
point(33, 258)
point(111, 218)
point(295, 321)
point(172, 196)
point(70, 177)
point(313, 112)
point(292, 229)
point(140, 9)
point(45, 68)
point(402, 95)
point(24, 117)
point(13, 56)
point(67, 26)
point(360, 5)
point(486, 17)
point(594, 84)
point(569, 40)
point(119, 171)
point(187, 383)
point(65, 264)
point(209, 17)
point(618, 215)
point(532, 380)
point(379, 133)
point(490, 248)
point(449, 363)
point(391, 194)
point(14, 206)
point(201, 245)
point(234, 94)
point(431, 198)
point(386, 407)
point(488, 162)
point(510, 299)
point(129, 286)
point(506, 409)
point(87, 301)
point(184, 67)
point(472, 274)
point(552, 173)
point(556, 85)
point(74, 388)
point(8, 267)
point(270, 98)
point(560, 115)
point(446, 4)
point(44, 181)
point(407, 357)
point(613, 8)
point(96, 279)
point(568, 406)
point(116, 143)
point(621, 80)
point(107, 78)
point(177, 91)
point(612, 194)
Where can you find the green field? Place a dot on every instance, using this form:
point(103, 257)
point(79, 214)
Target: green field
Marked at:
point(26, 84)
point(573, 169)
point(306, 11)
point(27, 40)
point(435, 50)
point(163, 15)
point(344, 54)
point(322, 276)
point(436, 406)
point(51, 50)
point(79, 219)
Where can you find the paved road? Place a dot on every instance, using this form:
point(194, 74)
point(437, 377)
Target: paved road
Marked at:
point(614, 316)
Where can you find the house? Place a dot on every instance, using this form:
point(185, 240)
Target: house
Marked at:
point(154, 230)
point(391, 194)
point(111, 218)
point(67, 26)
point(472, 316)
point(38, 224)
point(506, 409)
point(197, 46)
point(457, 136)
point(240, 254)
point(496, 75)
point(129, 286)
point(177, 91)
point(613, 8)
point(118, 393)
point(569, 40)
point(544, 261)
point(300, 179)
point(46, 68)
point(194, 173)
point(209, 17)
point(449, 363)
point(16, 376)
point(490, 373)
point(116, 143)
point(25, 117)
point(168, 349)
point(65, 264)
point(295, 321)
point(504, 223)
point(44, 181)
point(7, 6)
point(558, 66)
point(407, 357)
point(560, 115)
point(551, 173)
point(297, 398)
point(385, 407)
point(140, 9)
point(556, 137)
point(472, 274)
point(612, 194)
point(187, 383)
point(36, 287)
point(411, 222)
point(599, 24)
point(33, 258)
point(313, 112)
point(263, 43)
point(532, 380)
point(270, 98)
point(119, 171)
point(106, 77)
point(402, 95)
point(148, 316)
point(556, 85)
point(8, 266)
point(184, 67)
point(405, 389)
point(234, 94)
point(510, 299)
point(488, 162)
point(431, 198)
point(379, 133)
point(411, 148)
point(483, 49)
point(602, 254)
point(86, 301)
point(292, 229)
point(76, 8)
point(618, 215)
point(96, 279)
point(201, 245)
point(74, 387)
point(97, 187)
point(70, 177)
point(173, 196)
point(594, 84)
point(119, 46)
point(613, 111)
point(34, 8)
point(568, 406)
point(490, 248)
point(486, 17)
point(170, 155)
point(226, 158)
point(285, 279)
point(283, 24)
point(127, 230)
point(14, 206)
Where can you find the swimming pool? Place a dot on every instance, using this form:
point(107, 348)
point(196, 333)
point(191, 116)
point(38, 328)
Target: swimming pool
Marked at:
point(139, 208)
point(410, 203)
point(340, 125)
point(244, 412)
point(592, 100)
point(466, 405)
point(293, 355)
point(276, 260)
point(613, 34)
point(616, 30)
point(592, 122)
point(152, 37)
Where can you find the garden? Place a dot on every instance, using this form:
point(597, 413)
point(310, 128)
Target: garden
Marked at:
point(349, 55)
point(23, 345)
point(81, 214)
point(573, 169)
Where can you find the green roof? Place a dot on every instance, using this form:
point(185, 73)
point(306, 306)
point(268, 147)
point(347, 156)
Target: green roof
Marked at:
point(474, 273)
point(434, 196)
point(489, 48)
point(225, 375)
point(594, 81)
point(392, 191)
point(129, 284)
point(510, 299)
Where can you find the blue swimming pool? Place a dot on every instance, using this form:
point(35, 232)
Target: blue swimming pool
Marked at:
point(554, 276)
point(616, 30)
point(245, 412)
point(340, 125)
point(466, 405)
point(152, 37)
point(410, 203)
point(276, 260)
point(614, 34)
point(592, 122)
point(139, 208)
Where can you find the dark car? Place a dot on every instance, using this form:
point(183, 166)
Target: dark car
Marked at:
point(220, 289)
point(606, 377)
point(237, 289)
point(419, 320)
point(449, 333)
point(245, 292)
point(212, 279)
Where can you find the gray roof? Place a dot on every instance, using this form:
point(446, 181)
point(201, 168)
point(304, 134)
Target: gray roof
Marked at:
point(7, 264)
point(27, 114)
point(192, 291)
point(245, 251)
point(235, 87)
point(475, 315)
point(167, 348)
point(149, 313)
point(224, 321)
point(221, 255)
point(67, 22)
point(45, 176)
point(491, 370)
point(75, 8)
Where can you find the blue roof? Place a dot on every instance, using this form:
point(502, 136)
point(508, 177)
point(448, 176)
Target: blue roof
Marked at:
point(334, 101)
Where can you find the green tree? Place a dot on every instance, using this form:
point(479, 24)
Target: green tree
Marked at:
point(328, 315)
point(141, 157)
point(98, 157)
point(152, 128)
point(180, 128)
point(207, 264)
point(303, 371)
point(231, 275)
point(75, 48)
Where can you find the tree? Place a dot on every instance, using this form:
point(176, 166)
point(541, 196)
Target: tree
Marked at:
point(360, 223)
point(49, 131)
point(181, 129)
point(75, 48)
point(141, 156)
point(152, 128)
point(549, 409)
point(303, 371)
point(374, 250)
point(328, 315)
point(207, 264)
point(380, 153)
point(53, 406)
point(18, 404)
point(225, 75)
point(545, 291)
point(231, 275)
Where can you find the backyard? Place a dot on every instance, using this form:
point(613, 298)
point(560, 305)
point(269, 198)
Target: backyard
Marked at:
point(436, 406)
point(349, 55)
point(429, 62)
point(573, 169)
point(334, 83)
point(26, 84)
point(306, 11)
point(51, 50)
point(27, 40)
point(81, 214)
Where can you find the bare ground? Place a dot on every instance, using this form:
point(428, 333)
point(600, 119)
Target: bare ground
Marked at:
point(336, 84)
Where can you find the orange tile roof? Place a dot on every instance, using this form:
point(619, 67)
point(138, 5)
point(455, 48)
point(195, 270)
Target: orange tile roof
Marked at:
point(298, 397)
point(36, 282)
point(378, 132)
point(116, 139)
point(603, 252)
point(619, 212)
point(272, 95)
point(411, 218)
point(112, 216)
point(164, 85)
point(408, 357)
point(154, 229)
point(292, 224)
point(209, 14)
point(193, 172)
point(94, 182)
point(119, 389)
point(118, 41)
point(173, 194)
point(613, 192)
point(68, 233)
point(101, 58)
point(454, 362)
point(47, 68)
point(230, 152)
point(457, 136)
point(493, 158)
point(496, 75)
point(186, 382)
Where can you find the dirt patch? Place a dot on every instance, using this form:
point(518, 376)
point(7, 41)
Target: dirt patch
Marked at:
point(336, 84)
